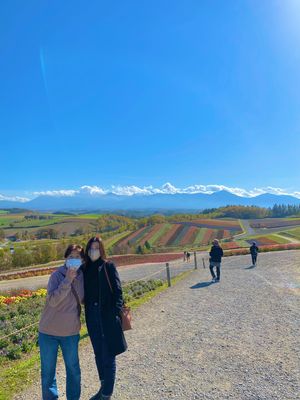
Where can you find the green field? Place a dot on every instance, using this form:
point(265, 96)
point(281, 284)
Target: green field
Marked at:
point(292, 233)
point(159, 233)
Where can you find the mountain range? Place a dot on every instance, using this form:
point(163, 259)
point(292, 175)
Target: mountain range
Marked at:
point(160, 201)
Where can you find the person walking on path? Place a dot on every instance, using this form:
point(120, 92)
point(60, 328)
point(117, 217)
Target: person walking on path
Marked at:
point(103, 305)
point(254, 251)
point(60, 325)
point(188, 256)
point(215, 258)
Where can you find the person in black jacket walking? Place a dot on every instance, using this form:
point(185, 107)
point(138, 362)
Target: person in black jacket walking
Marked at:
point(253, 252)
point(103, 305)
point(215, 254)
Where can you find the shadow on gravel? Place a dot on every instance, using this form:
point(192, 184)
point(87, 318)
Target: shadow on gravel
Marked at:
point(251, 267)
point(201, 285)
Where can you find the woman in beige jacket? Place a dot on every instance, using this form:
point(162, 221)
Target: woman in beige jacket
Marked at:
point(60, 325)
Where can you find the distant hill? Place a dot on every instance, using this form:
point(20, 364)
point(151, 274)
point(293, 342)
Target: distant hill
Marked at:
point(112, 202)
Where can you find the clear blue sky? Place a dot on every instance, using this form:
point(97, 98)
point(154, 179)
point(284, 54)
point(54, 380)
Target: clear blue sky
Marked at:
point(142, 92)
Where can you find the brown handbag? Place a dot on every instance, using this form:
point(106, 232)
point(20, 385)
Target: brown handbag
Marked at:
point(126, 316)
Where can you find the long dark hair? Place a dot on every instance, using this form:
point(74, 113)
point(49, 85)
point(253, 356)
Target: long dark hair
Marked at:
point(94, 239)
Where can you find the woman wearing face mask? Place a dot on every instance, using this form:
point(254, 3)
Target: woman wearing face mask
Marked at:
point(60, 325)
point(103, 304)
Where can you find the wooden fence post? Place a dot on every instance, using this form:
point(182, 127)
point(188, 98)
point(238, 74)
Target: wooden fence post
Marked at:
point(195, 260)
point(168, 274)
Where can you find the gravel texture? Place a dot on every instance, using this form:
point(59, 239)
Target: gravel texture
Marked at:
point(237, 339)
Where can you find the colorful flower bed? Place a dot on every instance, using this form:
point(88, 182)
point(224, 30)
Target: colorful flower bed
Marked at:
point(20, 312)
point(128, 238)
point(217, 224)
point(159, 234)
point(180, 235)
point(274, 223)
point(140, 235)
point(208, 236)
point(199, 236)
point(262, 241)
point(166, 237)
point(230, 245)
point(177, 232)
point(190, 236)
point(19, 296)
point(227, 234)
point(147, 238)
point(220, 234)
point(264, 249)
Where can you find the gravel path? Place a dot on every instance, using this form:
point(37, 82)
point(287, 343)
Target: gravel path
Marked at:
point(238, 339)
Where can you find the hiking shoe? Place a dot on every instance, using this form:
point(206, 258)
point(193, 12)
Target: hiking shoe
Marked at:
point(97, 396)
point(217, 280)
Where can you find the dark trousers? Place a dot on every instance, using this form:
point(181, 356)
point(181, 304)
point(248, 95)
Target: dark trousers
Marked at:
point(211, 267)
point(254, 258)
point(105, 362)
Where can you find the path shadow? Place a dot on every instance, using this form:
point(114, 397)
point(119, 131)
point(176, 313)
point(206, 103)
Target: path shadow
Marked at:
point(251, 267)
point(201, 285)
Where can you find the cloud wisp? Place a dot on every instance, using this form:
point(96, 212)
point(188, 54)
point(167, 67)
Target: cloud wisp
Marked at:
point(13, 198)
point(167, 188)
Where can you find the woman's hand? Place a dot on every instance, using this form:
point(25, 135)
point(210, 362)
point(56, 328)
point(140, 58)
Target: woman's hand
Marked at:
point(71, 274)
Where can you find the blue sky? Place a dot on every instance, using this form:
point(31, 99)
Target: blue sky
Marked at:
point(147, 92)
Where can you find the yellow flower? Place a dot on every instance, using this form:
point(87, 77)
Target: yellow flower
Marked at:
point(40, 293)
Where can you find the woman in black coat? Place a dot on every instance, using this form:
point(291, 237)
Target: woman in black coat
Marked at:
point(103, 303)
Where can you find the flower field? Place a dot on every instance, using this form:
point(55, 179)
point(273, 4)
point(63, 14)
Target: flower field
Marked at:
point(189, 236)
point(20, 312)
point(269, 223)
point(268, 240)
point(264, 249)
point(292, 233)
point(195, 233)
point(262, 241)
point(230, 225)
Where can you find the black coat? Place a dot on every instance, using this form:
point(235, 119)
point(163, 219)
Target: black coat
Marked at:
point(216, 253)
point(111, 302)
point(254, 250)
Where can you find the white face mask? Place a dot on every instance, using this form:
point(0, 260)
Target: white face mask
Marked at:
point(73, 262)
point(94, 254)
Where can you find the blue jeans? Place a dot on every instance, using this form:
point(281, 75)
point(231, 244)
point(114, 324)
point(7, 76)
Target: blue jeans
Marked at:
point(106, 363)
point(48, 350)
point(254, 258)
point(218, 268)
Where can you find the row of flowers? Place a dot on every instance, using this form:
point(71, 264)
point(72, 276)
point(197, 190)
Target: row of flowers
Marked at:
point(21, 296)
point(264, 249)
